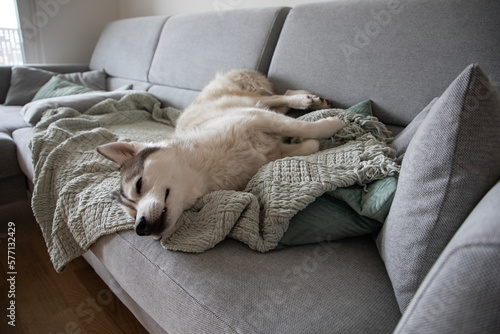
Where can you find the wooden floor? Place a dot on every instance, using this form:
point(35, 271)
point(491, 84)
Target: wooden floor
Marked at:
point(76, 301)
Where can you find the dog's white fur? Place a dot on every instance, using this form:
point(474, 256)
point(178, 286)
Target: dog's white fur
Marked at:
point(235, 126)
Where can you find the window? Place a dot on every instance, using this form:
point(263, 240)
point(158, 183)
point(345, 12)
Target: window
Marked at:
point(11, 49)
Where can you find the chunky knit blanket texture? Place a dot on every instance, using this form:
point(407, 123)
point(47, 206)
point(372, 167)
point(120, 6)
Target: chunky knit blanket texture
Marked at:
point(72, 202)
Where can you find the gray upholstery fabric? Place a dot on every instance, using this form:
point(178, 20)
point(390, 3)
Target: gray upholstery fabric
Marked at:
point(403, 139)
point(399, 54)
point(173, 97)
point(450, 164)
point(461, 293)
point(192, 48)
point(21, 138)
point(8, 163)
point(114, 83)
point(215, 291)
point(148, 323)
point(126, 47)
point(10, 120)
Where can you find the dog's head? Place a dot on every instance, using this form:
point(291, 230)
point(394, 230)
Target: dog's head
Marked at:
point(155, 189)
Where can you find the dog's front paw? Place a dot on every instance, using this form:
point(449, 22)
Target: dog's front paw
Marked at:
point(330, 126)
point(310, 101)
point(320, 103)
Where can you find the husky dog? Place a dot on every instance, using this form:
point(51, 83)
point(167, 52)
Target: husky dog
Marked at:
point(235, 126)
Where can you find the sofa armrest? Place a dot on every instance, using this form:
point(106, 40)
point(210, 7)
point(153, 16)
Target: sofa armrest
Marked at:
point(5, 74)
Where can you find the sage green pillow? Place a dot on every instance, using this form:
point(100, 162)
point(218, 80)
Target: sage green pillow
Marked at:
point(326, 219)
point(363, 108)
point(59, 87)
point(344, 212)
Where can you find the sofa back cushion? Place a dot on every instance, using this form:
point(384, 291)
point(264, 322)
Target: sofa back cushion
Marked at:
point(194, 47)
point(400, 54)
point(126, 47)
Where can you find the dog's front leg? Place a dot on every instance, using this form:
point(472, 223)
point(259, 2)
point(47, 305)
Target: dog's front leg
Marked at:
point(296, 99)
point(284, 126)
point(306, 147)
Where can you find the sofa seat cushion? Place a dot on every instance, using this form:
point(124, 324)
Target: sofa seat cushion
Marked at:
point(232, 289)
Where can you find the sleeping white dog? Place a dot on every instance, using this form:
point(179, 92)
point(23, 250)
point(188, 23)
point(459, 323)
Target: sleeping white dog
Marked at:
point(235, 126)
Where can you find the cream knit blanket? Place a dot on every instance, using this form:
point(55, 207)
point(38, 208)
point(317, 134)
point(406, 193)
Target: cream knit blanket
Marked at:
point(72, 182)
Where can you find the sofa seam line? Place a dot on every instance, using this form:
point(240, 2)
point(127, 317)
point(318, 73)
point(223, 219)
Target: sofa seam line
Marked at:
point(170, 86)
point(156, 49)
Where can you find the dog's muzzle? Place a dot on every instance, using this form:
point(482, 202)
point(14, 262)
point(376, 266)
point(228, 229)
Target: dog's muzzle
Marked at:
point(145, 227)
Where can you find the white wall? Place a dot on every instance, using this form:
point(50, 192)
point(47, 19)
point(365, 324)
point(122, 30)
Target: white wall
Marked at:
point(132, 8)
point(64, 31)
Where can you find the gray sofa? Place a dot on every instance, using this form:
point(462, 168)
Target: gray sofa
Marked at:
point(434, 267)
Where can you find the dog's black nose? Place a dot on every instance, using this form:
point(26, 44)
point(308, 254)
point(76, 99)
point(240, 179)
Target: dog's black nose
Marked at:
point(141, 227)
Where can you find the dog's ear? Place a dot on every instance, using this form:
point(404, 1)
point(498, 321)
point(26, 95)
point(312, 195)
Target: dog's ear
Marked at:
point(120, 152)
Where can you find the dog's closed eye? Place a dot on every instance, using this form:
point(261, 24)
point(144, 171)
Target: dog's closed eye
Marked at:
point(138, 186)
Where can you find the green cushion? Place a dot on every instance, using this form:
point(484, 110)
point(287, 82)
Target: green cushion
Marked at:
point(363, 108)
point(59, 87)
point(344, 212)
point(326, 219)
point(373, 202)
